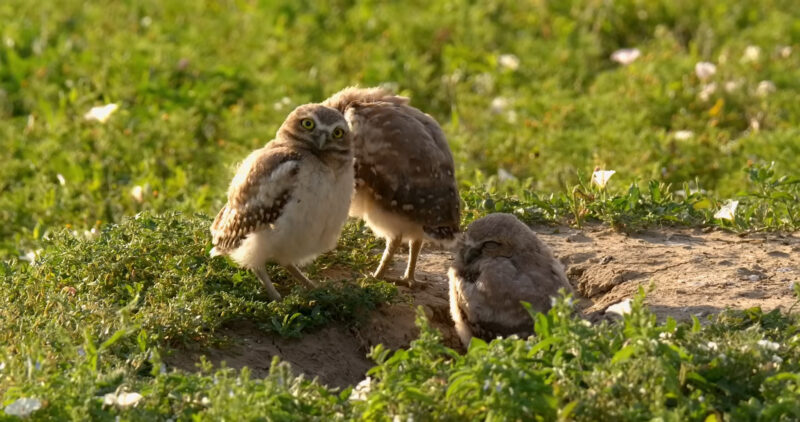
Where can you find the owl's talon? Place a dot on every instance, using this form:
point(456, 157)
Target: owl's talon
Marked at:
point(413, 284)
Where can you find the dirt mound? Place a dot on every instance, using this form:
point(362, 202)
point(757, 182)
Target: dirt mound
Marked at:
point(686, 271)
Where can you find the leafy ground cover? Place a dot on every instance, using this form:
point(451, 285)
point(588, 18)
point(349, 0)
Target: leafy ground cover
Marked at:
point(112, 216)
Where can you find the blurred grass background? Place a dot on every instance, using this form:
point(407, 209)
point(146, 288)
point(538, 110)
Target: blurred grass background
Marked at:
point(523, 86)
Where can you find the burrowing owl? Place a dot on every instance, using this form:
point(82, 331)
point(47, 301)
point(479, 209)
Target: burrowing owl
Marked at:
point(289, 200)
point(405, 182)
point(500, 262)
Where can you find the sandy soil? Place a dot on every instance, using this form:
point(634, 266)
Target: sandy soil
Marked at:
point(685, 272)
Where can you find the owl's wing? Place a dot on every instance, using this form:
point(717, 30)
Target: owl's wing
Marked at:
point(541, 276)
point(496, 309)
point(259, 191)
point(403, 160)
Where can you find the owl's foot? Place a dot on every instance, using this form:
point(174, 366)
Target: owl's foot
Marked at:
point(388, 253)
point(299, 276)
point(262, 275)
point(414, 247)
point(411, 283)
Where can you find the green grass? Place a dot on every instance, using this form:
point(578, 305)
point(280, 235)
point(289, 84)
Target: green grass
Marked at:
point(743, 366)
point(201, 83)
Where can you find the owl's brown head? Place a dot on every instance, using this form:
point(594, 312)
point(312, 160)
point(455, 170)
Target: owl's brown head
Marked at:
point(317, 128)
point(494, 236)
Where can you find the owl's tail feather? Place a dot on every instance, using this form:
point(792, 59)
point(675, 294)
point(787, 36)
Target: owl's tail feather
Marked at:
point(445, 236)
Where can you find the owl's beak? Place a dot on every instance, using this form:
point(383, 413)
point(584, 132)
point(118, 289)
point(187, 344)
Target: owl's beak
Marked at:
point(471, 254)
point(322, 139)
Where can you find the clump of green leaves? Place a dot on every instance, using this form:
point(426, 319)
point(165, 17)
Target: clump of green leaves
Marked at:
point(742, 365)
point(770, 202)
point(157, 268)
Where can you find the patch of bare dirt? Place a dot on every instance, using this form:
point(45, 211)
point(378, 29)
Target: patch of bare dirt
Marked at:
point(686, 272)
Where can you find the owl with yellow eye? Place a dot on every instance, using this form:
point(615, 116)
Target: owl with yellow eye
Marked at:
point(288, 201)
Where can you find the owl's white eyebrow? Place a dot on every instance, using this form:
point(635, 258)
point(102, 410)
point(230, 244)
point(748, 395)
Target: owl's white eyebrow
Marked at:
point(328, 127)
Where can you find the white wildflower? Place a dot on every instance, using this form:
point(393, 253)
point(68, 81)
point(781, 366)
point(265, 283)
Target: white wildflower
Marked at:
point(101, 113)
point(728, 211)
point(23, 407)
point(626, 56)
point(755, 124)
point(505, 175)
point(511, 116)
point(707, 91)
point(121, 399)
point(361, 389)
point(683, 135)
point(784, 51)
point(751, 54)
point(498, 105)
point(146, 21)
point(620, 308)
point(31, 256)
point(61, 180)
point(279, 105)
point(508, 61)
point(91, 234)
point(711, 345)
point(777, 359)
point(765, 88)
point(769, 345)
point(137, 193)
point(600, 177)
point(731, 86)
point(205, 401)
point(484, 83)
point(705, 70)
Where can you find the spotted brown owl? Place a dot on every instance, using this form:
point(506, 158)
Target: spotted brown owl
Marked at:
point(289, 200)
point(500, 262)
point(404, 171)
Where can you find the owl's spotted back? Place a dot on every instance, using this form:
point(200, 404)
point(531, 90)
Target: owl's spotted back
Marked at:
point(404, 170)
point(500, 262)
point(403, 162)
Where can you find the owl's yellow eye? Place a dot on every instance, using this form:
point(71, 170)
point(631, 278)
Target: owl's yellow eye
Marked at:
point(338, 133)
point(307, 124)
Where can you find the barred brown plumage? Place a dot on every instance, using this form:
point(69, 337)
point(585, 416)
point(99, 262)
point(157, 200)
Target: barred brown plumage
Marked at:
point(405, 175)
point(289, 200)
point(499, 262)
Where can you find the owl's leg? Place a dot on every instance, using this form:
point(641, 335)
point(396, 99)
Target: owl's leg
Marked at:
point(262, 275)
point(299, 276)
point(388, 253)
point(414, 246)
